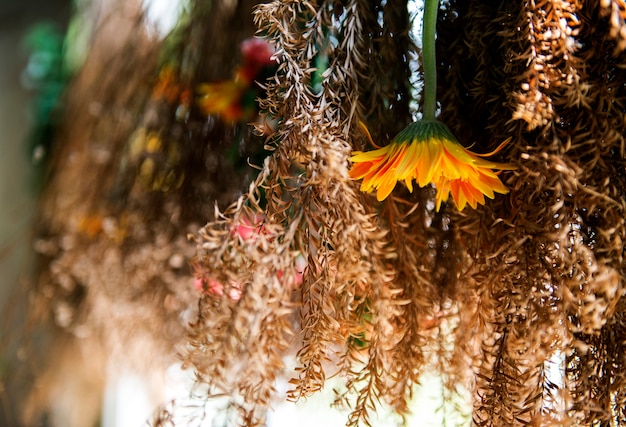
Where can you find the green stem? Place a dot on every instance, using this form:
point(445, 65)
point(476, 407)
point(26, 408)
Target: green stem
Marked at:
point(429, 60)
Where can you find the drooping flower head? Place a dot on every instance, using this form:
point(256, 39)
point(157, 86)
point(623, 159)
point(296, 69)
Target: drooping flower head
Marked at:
point(428, 153)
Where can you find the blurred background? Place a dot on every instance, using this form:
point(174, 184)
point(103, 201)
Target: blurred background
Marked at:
point(20, 20)
point(26, 27)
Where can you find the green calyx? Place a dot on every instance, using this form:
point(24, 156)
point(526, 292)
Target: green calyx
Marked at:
point(424, 130)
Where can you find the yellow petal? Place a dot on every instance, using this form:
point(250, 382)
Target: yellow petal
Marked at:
point(428, 153)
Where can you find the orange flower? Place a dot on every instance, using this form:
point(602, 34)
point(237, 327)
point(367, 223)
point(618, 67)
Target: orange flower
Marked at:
point(427, 152)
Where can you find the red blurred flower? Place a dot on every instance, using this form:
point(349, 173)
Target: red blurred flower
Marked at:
point(235, 100)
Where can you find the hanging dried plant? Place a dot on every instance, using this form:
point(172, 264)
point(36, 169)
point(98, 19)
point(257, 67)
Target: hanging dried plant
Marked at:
point(493, 293)
point(134, 166)
point(546, 288)
point(519, 282)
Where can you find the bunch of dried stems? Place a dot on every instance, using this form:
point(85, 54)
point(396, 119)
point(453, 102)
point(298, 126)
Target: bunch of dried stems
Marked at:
point(488, 298)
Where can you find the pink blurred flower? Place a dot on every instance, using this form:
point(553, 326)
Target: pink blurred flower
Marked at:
point(215, 287)
point(249, 228)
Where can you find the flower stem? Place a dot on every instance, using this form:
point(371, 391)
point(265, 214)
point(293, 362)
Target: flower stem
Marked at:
point(429, 61)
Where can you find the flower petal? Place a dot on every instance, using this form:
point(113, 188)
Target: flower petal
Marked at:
point(427, 152)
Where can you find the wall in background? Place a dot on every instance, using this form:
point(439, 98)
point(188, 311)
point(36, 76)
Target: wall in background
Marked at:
point(16, 171)
point(17, 186)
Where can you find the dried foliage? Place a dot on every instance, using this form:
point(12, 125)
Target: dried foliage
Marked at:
point(364, 307)
point(545, 268)
point(528, 285)
point(310, 207)
point(495, 300)
point(135, 166)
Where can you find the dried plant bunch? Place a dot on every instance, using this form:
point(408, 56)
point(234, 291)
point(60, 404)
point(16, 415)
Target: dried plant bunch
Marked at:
point(136, 162)
point(305, 266)
point(346, 315)
point(490, 296)
point(363, 307)
point(546, 266)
